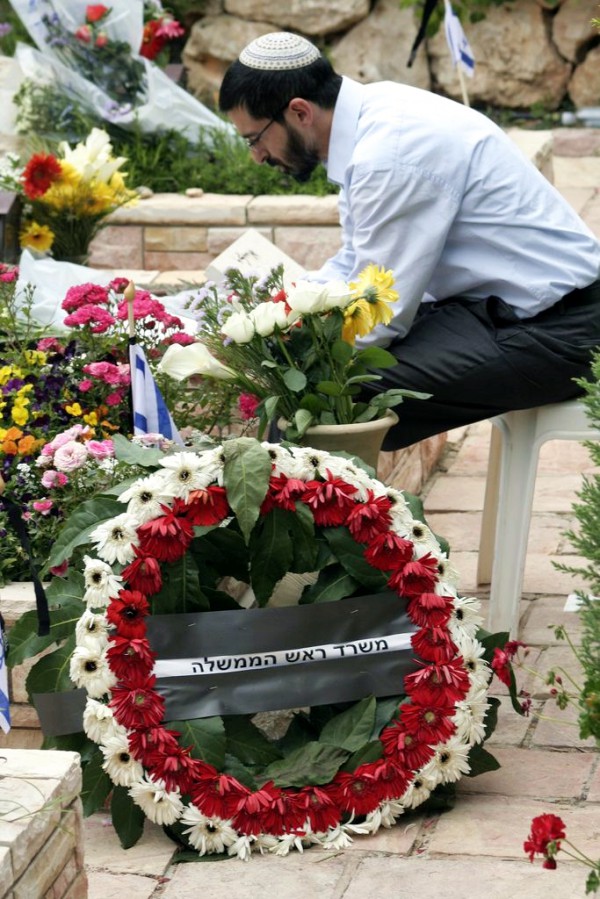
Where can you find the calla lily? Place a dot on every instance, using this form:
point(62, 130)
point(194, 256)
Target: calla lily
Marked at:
point(181, 362)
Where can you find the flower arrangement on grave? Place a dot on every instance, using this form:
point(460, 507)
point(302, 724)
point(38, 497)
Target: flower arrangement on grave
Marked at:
point(160, 28)
point(67, 195)
point(290, 347)
point(62, 401)
point(183, 540)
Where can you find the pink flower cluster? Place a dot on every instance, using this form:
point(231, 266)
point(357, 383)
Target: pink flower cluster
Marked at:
point(69, 451)
point(117, 376)
point(8, 273)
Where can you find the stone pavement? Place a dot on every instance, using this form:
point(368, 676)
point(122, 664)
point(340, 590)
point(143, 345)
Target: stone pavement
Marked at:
point(474, 850)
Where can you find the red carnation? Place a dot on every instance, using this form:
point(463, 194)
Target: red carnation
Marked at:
point(546, 833)
point(127, 613)
point(167, 537)
point(143, 573)
point(39, 174)
point(96, 12)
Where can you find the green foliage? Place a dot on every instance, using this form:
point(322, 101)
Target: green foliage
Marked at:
point(466, 10)
point(165, 161)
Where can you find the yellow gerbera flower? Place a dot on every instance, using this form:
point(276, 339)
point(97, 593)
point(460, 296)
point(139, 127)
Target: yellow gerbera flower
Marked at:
point(358, 320)
point(375, 285)
point(38, 237)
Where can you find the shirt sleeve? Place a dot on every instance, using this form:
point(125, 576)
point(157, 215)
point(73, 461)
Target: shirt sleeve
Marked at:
point(398, 217)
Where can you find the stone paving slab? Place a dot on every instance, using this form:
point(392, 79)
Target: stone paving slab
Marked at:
point(534, 773)
point(428, 878)
point(150, 856)
point(104, 885)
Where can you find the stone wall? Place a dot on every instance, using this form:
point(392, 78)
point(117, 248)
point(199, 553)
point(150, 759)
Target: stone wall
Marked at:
point(526, 51)
point(41, 854)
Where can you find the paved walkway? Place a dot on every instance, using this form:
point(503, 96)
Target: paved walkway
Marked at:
point(474, 850)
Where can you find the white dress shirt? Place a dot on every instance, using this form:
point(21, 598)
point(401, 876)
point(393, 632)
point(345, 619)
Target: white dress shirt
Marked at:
point(438, 193)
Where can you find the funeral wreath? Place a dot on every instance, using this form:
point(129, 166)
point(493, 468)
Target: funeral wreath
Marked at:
point(166, 549)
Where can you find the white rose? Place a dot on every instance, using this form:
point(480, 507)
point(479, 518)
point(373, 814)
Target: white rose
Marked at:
point(306, 297)
point(268, 316)
point(337, 295)
point(180, 362)
point(239, 327)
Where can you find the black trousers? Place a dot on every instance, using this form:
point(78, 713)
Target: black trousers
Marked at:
point(478, 359)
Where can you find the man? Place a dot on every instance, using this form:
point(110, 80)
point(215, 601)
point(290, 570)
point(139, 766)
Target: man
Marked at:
point(499, 297)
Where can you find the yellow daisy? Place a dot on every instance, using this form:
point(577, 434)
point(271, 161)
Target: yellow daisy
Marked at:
point(38, 237)
point(358, 320)
point(375, 285)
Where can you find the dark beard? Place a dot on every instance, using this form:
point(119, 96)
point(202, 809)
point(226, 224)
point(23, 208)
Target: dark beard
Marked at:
point(300, 161)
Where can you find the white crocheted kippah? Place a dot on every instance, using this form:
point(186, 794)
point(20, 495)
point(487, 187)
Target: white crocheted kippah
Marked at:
point(278, 51)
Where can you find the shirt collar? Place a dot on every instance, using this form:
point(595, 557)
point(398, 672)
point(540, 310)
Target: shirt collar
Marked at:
point(343, 128)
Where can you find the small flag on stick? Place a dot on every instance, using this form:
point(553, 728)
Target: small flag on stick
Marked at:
point(4, 702)
point(460, 50)
point(150, 413)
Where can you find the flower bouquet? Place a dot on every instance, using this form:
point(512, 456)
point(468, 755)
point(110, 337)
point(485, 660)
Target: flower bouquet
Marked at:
point(290, 347)
point(67, 195)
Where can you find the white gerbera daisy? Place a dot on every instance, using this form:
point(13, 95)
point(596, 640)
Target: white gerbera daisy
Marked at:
point(401, 515)
point(450, 762)
point(119, 763)
point(285, 843)
point(449, 576)
point(311, 462)
point(207, 835)
point(116, 538)
point(423, 540)
point(101, 585)
point(242, 848)
point(89, 669)
point(466, 616)
point(145, 497)
point(384, 816)
point(472, 652)
point(91, 630)
point(185, 472)
point(263, 842)
point(282, 459)
point(336, 838)
point(469, 718)
point(99, 721)
point(157, 803)
point(418, 791)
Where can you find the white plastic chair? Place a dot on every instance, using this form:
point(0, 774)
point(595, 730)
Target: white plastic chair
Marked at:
point(514, 451)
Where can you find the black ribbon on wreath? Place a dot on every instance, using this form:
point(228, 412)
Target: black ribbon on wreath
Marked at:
point(428, 9)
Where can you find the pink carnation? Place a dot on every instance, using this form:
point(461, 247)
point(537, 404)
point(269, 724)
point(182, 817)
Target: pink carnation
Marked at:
point(107, 372)
point(182, 338)
point(52, 479)
point(85, 295)
point(85, 385)
point(247, 404)
point(118, 284)
point(100, 449)
point(71, 456)
point(99, 318)
point(10, 275)
point(50, 345)
point(113, 399)
point(42, 505)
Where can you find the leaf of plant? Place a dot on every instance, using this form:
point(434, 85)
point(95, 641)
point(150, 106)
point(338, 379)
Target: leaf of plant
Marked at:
point(224, 552)
point(332, 584)
point(134, 454)
point(80, 524)
point(128, 818)
point(370, 752)
point(247, 743)
point(481, 761)
point(329, 388)
point(246, 478)
point(301, 527)
point(96, 785)
point(312, 764)
point(181, 591)
point(24, 641)
point(302, 420)
point(352, 728)
point(237, 769)
point(491, 716)
point(350, 555)
point(51, 673)
point(294, 380)
point(272, 551)
point(342, 351)
point(376, 357)
point(205, 737)
point(387, 711)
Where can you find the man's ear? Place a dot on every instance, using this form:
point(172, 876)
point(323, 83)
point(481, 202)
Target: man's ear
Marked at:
point(301, 111)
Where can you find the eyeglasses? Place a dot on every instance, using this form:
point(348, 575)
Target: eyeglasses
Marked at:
point(251, 142)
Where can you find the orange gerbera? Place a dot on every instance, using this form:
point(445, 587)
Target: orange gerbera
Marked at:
point(42, 170)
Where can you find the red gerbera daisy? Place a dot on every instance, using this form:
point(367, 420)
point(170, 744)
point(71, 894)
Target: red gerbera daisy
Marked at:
point(204, 507)
point(329, 500)
point(429, 609)
point(167, 538)
point(218, 795)
point(42, 170)
point(283, 492)
point(434, 644)
point(432, 681)
point(369, 518)
point(284, 813)
point(405, 749)
point(389, 552)
point(428, 724)
point(358, 791)
point(144, 742)
point(175, 766)
point(319, 807)
point(136, 704)
point(415, 577)
point(144, 573)
point(125, 655)
point(127, 613)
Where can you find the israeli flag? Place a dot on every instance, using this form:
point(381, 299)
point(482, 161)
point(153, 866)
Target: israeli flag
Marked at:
point(150, 413)
point(4, 704)
point(461, 52)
